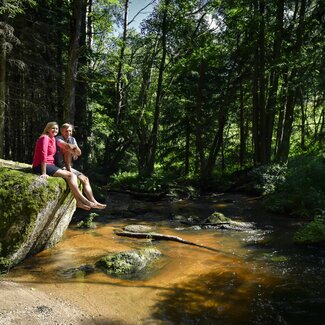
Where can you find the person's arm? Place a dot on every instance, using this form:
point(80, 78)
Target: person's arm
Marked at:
point(66, 146)
point(43, 169)
point(73, 149)
point(77, 150)
point(44, 149)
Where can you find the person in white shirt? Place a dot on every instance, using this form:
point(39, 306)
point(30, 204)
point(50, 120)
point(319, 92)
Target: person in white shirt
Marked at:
point(63, 160)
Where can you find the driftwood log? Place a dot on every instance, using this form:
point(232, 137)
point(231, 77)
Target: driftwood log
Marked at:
point(157, 236)
point(141, 195)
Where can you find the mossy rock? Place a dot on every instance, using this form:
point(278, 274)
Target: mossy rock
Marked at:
point(129, 263)
point(34, 212)
point(217, 217)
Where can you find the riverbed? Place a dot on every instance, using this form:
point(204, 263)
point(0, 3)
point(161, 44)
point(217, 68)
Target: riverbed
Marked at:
point(256, 276)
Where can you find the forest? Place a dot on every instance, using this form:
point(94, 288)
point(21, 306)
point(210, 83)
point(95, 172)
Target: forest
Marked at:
point(202, 128)
point(203, 89)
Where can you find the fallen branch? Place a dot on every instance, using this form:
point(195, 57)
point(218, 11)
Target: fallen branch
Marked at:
point(157, 236)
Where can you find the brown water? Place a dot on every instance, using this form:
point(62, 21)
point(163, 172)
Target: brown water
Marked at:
point(256, 278)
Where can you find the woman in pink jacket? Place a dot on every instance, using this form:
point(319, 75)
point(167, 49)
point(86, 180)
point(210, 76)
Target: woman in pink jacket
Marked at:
point(43, 163)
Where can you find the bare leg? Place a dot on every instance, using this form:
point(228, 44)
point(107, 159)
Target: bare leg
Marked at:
point(89, 192)
point(82, 202)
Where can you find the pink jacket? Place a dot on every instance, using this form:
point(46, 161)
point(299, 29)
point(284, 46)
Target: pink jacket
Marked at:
point(44, 150)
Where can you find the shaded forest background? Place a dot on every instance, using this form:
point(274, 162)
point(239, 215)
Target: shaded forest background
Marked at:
point(203, 88)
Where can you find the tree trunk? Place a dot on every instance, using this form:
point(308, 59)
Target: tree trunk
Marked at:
point(199, 127)
point(59, 70)
point(159, 95)
point(261, 78)
point(119, 81)
point(274, 80)
point(81, 118)
point(72, 64)
point(242, 146)
point(2, 87)
point(187, 148)
point(256, 117)
point(259, 116)
point(142, 129)
point(284, 144)
point(303, 121)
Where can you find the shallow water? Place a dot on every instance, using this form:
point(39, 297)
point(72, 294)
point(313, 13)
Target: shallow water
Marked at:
point(257, 277)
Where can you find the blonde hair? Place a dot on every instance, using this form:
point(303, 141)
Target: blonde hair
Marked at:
point(48, 126)
point(66, 126)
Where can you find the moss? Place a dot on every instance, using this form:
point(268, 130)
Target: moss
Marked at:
point(129, 262)
point(312, 233)
point(22, 196)
point(217, 217)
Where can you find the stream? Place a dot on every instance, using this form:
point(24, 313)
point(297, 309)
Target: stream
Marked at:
point(258, 276)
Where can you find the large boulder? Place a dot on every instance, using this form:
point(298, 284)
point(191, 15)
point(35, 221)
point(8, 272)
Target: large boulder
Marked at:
point(34, 212)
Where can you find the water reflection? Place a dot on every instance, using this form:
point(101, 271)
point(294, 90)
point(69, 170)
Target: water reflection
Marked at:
point(218, 298)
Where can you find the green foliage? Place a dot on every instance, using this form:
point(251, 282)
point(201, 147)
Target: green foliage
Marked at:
point(303, 191)
point(205, 112)
point(266, 179)
point(157, 183)
point(5, 264)
point(88, 222)
point(313, 232)
point(160, 182)
point(11, 8)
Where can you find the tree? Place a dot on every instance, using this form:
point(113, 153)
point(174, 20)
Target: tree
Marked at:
point(73, 56)
point(8, 9)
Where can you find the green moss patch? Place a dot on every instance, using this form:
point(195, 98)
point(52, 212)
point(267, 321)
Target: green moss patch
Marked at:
point(217, 217)
point(22, 196)
point(129, 263)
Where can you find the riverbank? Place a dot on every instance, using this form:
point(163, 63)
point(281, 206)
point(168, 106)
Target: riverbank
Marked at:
point(21, 305)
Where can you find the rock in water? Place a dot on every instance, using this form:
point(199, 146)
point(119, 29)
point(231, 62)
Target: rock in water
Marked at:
point(34, 212)
point(126, 264)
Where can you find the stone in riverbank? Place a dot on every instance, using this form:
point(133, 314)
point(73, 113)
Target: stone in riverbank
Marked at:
point(129, 263)
point(34, 212)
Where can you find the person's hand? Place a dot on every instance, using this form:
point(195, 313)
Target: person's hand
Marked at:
point(44, 176)
point(72, 147)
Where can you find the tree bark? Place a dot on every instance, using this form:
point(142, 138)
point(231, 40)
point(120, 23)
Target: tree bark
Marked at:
point(284, 144)
point(81, 117)
point(154, 133)
point(274, 80)
point(72, 64)
point(199, 146)
point(2, 87)
point(259, 120)
point(242, 146)
point(119, 81)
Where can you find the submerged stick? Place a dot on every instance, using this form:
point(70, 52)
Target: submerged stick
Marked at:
point(157, 236)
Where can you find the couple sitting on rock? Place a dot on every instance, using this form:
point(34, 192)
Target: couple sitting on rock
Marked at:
point(52, 157)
